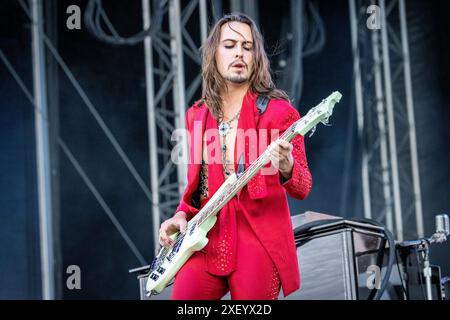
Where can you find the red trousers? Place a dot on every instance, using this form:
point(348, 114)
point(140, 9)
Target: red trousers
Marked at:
point(255, 277)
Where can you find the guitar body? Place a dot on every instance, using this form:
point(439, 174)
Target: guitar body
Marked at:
point(169, 268)
point(170, 261)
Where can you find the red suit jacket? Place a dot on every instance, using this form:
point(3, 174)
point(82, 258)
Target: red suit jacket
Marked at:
point(263, 200)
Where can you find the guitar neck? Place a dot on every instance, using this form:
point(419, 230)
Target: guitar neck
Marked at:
point(242, 180)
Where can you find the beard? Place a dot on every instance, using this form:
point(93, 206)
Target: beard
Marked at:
point(237, 78)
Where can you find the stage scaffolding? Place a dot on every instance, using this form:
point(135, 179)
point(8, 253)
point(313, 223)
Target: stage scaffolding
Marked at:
point(385, 116)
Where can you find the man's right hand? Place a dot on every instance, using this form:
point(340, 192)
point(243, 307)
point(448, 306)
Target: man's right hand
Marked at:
point(177, 223)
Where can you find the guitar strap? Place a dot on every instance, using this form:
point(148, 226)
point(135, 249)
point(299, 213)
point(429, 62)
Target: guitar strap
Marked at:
point(261, 103)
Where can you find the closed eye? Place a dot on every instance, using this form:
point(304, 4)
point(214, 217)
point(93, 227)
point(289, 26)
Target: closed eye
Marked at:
point(230, 44)
point(245, 48)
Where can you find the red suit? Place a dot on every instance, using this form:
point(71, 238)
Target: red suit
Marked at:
point(260, 210)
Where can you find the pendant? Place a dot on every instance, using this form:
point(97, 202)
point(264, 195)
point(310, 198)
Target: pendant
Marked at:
point(223, 129)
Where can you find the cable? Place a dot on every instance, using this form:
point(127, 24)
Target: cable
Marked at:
point(308, 38)
point(400, 273)
point(94, 16)
point(317, 34)
point(390, 262)
point(421, 276)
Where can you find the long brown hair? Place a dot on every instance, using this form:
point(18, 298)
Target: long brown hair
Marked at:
point(213, 83)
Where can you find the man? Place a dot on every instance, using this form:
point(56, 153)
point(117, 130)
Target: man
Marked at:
point(251, 250)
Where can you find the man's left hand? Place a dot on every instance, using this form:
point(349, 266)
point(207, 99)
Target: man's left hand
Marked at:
point(280, 153)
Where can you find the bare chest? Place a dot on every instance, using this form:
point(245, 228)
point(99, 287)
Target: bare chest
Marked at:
point(222, 150)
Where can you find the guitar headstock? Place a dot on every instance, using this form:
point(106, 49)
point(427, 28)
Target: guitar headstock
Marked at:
point(320, 113)
point(327, 105)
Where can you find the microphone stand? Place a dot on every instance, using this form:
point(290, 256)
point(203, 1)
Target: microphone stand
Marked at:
point(427, 270)
point(423, 246)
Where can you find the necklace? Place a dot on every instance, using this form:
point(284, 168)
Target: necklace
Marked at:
point(224, 129)
point(224, 126)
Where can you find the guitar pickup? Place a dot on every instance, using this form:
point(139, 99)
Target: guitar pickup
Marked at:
point(160, 270)
point(154, 276)
point(153, 264)
point(170, 256)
